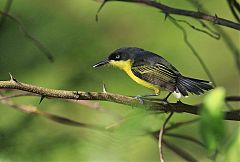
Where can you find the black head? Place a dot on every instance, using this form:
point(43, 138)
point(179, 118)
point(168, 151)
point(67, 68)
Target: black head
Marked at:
point(121, 54)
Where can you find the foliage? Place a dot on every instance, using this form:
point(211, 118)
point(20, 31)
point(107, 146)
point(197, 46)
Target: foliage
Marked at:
point(212, 125)
point(233, 150)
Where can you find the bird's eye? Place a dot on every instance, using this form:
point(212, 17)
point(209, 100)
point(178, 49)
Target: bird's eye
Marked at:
point(117, 56)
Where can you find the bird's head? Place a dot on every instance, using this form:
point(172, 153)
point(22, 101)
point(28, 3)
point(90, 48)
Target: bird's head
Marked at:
point(121, 57)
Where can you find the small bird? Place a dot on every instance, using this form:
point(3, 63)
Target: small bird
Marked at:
point(154, 72)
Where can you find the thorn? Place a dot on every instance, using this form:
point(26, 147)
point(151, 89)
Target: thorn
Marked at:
point(179, 102)
point(216, 19)
point(76, 93)
point(42, 97)
point(166, 16)
point(12, 78)
point(104, 88)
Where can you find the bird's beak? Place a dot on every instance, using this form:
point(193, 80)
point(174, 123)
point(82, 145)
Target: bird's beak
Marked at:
point(101, 63)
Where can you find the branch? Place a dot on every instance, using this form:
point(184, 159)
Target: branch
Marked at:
point(232, 4)
point(56, 118)
point(194, 14)
point(186, 137)
point(152, 105)
point(227, 39)
point(89, 104)
point(194, 52)
point(6, 10)
point(35, 41)
point(179, 124)
point(179, 152)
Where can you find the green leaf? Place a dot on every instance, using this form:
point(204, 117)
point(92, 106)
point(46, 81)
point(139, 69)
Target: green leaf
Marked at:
point(233, 150)
point(212, 125)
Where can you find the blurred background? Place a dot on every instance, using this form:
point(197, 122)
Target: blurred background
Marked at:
point(69, 30)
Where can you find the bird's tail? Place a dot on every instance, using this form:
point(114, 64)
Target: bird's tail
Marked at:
point(194, 86)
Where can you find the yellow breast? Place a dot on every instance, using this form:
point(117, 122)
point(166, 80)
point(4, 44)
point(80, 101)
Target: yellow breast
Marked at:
point(126, 66)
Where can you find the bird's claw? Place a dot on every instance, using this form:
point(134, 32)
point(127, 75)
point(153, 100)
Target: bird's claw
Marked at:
point(164, 101)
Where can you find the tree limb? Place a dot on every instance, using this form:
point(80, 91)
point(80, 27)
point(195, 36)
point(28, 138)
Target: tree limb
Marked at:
point(148, 104)
point(194, 14)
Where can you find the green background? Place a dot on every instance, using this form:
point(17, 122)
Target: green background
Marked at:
point(69, 30)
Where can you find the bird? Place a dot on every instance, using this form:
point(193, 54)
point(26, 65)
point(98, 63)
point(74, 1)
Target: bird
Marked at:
point(154, 72)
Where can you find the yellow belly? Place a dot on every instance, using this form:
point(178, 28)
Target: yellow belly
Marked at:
point(126, 66)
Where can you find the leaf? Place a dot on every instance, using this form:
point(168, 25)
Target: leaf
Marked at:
point(212, 125)
point(233, 150)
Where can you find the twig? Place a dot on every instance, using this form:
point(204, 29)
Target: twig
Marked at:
point(232, 4)
point(6, 10)
point(227, 39)
point(211, 33)
point(56, 118)
point(174, 21)
point(194, 14)
point(185, 137)
point(204, 25)
point(36, 42)
point(126, 100)
point(160, 137)
point(186, 156)
point(236, 5)
point(232, 98)
point(179, 124)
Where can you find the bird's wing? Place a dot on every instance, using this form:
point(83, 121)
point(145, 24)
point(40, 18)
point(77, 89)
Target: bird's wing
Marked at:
point(157, 74)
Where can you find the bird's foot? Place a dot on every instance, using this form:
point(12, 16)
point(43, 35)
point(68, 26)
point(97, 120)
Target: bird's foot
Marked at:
point(140, 98)
point(165, 101)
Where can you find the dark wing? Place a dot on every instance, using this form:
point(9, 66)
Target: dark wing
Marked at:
point(157, 74)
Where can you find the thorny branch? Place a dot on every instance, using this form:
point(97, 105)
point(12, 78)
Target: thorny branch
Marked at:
point(152, 105)
point(171, 10)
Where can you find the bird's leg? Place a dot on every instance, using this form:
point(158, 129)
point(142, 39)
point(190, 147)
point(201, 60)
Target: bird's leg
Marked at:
point(165, 99)
point(146, 95)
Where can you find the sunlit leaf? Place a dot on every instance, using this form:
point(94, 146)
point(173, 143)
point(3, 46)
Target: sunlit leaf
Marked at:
point(212, 125)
